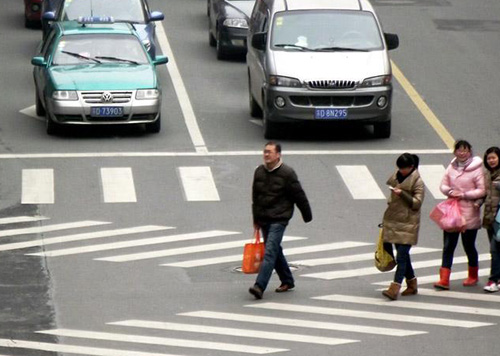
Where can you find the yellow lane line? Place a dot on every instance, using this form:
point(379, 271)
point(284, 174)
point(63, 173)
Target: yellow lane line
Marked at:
point(426, 111)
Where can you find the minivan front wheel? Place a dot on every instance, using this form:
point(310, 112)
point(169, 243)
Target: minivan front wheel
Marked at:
point(271, 129)
point(382, 130)
point(255, 110)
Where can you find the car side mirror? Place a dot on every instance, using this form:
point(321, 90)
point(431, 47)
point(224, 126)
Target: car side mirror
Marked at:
point(38, 61)
point(49, 16)
point(156, 16)
point(259, 41)
point(392, 40)
point(160, 60)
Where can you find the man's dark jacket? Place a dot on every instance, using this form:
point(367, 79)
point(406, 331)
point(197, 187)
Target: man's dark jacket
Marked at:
point(274, 194)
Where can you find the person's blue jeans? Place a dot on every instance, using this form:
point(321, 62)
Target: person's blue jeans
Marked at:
point(404, 268)
point(273, 257)
point(450, 241)
point(495, 258)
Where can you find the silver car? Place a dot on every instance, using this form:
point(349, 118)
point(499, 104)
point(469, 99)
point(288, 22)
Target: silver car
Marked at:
point(319, 61)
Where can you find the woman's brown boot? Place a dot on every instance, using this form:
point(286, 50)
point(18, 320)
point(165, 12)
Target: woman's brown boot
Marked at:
point(411, 287)
point(393, 291)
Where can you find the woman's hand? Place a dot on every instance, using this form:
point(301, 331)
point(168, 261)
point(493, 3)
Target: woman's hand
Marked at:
point(397, 191)
point(455, 194)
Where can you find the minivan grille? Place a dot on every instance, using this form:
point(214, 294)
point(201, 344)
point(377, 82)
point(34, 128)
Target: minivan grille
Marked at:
point(333, 101)
point(95, 97)
point(331, 84)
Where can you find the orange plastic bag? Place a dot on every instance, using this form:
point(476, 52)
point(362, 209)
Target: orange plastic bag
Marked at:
point(448, 216)
point(253, 254)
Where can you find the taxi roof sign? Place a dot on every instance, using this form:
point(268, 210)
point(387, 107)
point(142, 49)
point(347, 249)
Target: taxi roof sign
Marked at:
point(96, 20)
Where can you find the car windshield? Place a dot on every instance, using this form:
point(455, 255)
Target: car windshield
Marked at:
point(326, 31)
point(79, 49)
point(122, 10)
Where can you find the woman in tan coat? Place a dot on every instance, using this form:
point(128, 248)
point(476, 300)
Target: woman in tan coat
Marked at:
point(402, 221)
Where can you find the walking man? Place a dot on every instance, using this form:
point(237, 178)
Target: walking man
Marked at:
point(275, 191)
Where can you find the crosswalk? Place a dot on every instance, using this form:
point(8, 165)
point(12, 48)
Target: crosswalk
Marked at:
point(330, 321)
point(197, 183)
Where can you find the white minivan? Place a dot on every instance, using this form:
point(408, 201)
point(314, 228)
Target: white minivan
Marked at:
point(319, 60)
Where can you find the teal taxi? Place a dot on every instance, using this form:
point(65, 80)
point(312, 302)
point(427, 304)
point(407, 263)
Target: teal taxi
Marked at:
point(96, 72)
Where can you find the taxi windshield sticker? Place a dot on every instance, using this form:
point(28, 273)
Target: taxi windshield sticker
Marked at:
point(279, 21)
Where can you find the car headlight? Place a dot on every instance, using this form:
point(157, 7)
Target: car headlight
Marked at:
point(65, 95)
point(376, 81)
point(239, 23)
point(276, 80)
point(145, 94)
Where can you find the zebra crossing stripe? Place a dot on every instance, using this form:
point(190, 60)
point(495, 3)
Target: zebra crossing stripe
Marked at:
point(37, 186)
point(360, 182)
point(132, 243)
point(234, 332)
point(164, 341)
point(181, 251)
point(300, 323)
point(434, 278)
point(353, 258)
point(372, 270)
point(73, 349)
point(49, 228)
point(83, 236)
point(198, 184)
point(432, 175)
point(288, 252)
point(459, 295)
point(118, 185)
point(404, 318)
point(411, 305)
point(21, 219)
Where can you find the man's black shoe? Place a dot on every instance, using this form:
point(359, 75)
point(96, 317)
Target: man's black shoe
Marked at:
point(284, 288)
point(256, 292)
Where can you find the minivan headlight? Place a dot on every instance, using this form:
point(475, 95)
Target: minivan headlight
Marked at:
point(376, 81)
point(65, 95)
point(278, 81)
point(145, 94)
point(239, 23)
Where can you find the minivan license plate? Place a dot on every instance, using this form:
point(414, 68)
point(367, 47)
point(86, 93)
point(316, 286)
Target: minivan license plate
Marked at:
point(106, 111)
point(330, 114)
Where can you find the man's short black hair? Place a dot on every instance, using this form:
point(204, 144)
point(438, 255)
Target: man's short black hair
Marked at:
point(275, 144)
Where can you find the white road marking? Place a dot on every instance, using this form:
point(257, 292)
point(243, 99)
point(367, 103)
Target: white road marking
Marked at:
point(181, 251)
point(360, 182)
point(49, 228)
point(181, 92)
point(432, 176)
point(165, 341)
point(434, 278)
point(80, 237)
point(132, 243)
point(329, 275)
point(288, 252)
point(118, 185)
point(21, 219)
point(411, 305)
point(73, 349)
point(354, 258)
point(403, 318)
point(31, 112)
point(202, 153)
point(459, 295)
point(258, 334)
point(308, 324)
point(198, 184)
point(37, 186)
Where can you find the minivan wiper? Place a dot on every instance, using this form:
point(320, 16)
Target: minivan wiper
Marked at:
point(78, 55)
point(338, 49)
point(116, 59)
point(284, 45)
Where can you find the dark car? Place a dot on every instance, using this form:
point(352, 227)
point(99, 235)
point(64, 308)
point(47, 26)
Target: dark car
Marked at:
point(32, 13)
point(228, 25)
point(135, 12)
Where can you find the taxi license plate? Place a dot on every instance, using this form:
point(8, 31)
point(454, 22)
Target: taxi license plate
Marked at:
point(106, 111)
point(330, 114)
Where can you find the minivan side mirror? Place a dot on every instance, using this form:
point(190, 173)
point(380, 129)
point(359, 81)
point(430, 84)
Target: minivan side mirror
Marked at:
point(392, 40)
point(259, 41)
point(49, 16)
point(156, 16)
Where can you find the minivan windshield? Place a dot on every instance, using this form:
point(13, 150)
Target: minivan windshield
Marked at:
point(123, 10)
point(326, 31)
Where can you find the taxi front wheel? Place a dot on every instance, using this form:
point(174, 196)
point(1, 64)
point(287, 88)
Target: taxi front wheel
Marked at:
point(51, 126)
point(154, 127)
